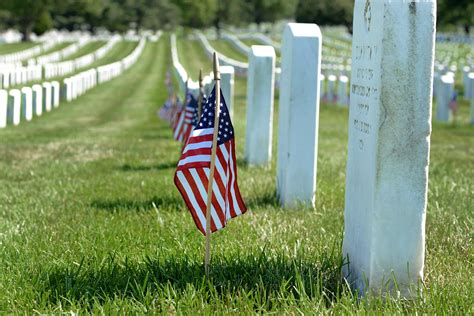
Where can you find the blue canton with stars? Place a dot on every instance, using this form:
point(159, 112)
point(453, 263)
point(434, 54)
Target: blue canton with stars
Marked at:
point(226, 130)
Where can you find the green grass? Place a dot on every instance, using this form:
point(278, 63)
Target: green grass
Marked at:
point(15, 47)
point(91, 222)
point(225, 48)
point(86, 49)
point(193, 57)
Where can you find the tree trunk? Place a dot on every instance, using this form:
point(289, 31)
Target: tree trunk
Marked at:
point(466, 29)
point(26, 31)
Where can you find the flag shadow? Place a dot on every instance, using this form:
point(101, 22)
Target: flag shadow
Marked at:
point(162, 202)
point(162, 166)
point(271, 276)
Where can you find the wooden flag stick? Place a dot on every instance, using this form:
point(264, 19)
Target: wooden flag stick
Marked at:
point(217, 78)
point(201, 93)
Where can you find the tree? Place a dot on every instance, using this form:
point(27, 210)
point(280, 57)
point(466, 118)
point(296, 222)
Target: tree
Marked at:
point(25, 13)
point(197, 13)
point(326, 12)
point(457, 13)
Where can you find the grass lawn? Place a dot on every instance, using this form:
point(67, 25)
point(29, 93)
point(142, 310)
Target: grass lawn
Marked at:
point(15, 47)
point(90, 220)
point(226, 48)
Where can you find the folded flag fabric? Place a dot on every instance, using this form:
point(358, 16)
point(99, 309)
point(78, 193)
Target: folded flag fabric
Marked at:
point(192, 175)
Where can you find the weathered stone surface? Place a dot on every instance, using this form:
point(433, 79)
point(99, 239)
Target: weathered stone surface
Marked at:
point(389, 142)
point(260, 93)
point(299, 114)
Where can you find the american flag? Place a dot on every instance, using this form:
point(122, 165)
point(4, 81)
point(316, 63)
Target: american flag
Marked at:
point(166, 111)
point(192, 175)
point(453, 103)
point(184, 127)
point(176, 113)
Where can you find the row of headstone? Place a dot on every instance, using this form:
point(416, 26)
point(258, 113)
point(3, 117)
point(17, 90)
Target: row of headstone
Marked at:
point(389, 135)
point(335, 89)
point(21, 105)
point(61, 54)
point(29, 52)
point(64, 68)
point(17, 105)
point(11, 75)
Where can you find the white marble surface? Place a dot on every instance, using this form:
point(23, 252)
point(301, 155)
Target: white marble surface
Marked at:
point(389, 142)
point(299, 114)
point(260, 94)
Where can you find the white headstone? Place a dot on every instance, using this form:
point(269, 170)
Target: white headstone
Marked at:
point(331, 93)
point(445, 95)
point(260, 94)
point(15, 106)
point(38, 99)
point(3, 108)
point(56, 93)
point(389, 141)
point(299, 114)
point(465, 79)
point(342, 95)
point(227, 87)
point(471, 87)
point(48, 96)
point(27, 102)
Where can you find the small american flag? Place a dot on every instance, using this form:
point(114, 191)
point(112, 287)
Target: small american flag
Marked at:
point(453, 103)
point(192, 175)
point(166, 111)
point(175, 114)
point(184, 118)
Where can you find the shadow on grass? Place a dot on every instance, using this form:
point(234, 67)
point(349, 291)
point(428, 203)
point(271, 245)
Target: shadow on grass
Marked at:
point(161, 166)
point(168, 202)
point(254, 276)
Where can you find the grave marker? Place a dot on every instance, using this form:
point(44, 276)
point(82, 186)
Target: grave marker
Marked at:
point(389, 141)
point(299, 114)
point(260, 93)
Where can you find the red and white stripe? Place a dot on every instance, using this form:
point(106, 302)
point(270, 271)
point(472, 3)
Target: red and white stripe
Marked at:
point(192, 179)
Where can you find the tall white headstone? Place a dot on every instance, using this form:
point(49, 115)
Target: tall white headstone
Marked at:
point(3, 108)
point(56, 93)
point(445, 95)
point(27, 103)
point(15, 106)
point(38, 99)
point(471, 87)
point(260, 93)
point(332, 79)
point(48, 96)
point(299, 114)
point(342, 95)
point(227, 86)
point(389, 142)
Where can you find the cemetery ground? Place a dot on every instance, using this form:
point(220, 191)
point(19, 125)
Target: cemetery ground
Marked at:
point(91, 221)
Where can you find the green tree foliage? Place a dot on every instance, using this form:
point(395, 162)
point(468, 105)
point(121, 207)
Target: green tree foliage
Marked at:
point(456, 13)
point(326, 12)
point(25, 13)
point(121, 15)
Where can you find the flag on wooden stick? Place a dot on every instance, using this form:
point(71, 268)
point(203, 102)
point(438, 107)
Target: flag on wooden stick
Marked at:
point(192, 175)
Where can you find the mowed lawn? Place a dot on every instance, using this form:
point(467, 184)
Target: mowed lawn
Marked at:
point(90, 220)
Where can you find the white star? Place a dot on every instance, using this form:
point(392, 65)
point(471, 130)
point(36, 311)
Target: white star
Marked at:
point(225, 135)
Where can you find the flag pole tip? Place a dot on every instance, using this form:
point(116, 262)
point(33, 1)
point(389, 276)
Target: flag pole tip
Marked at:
point(217, 73)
